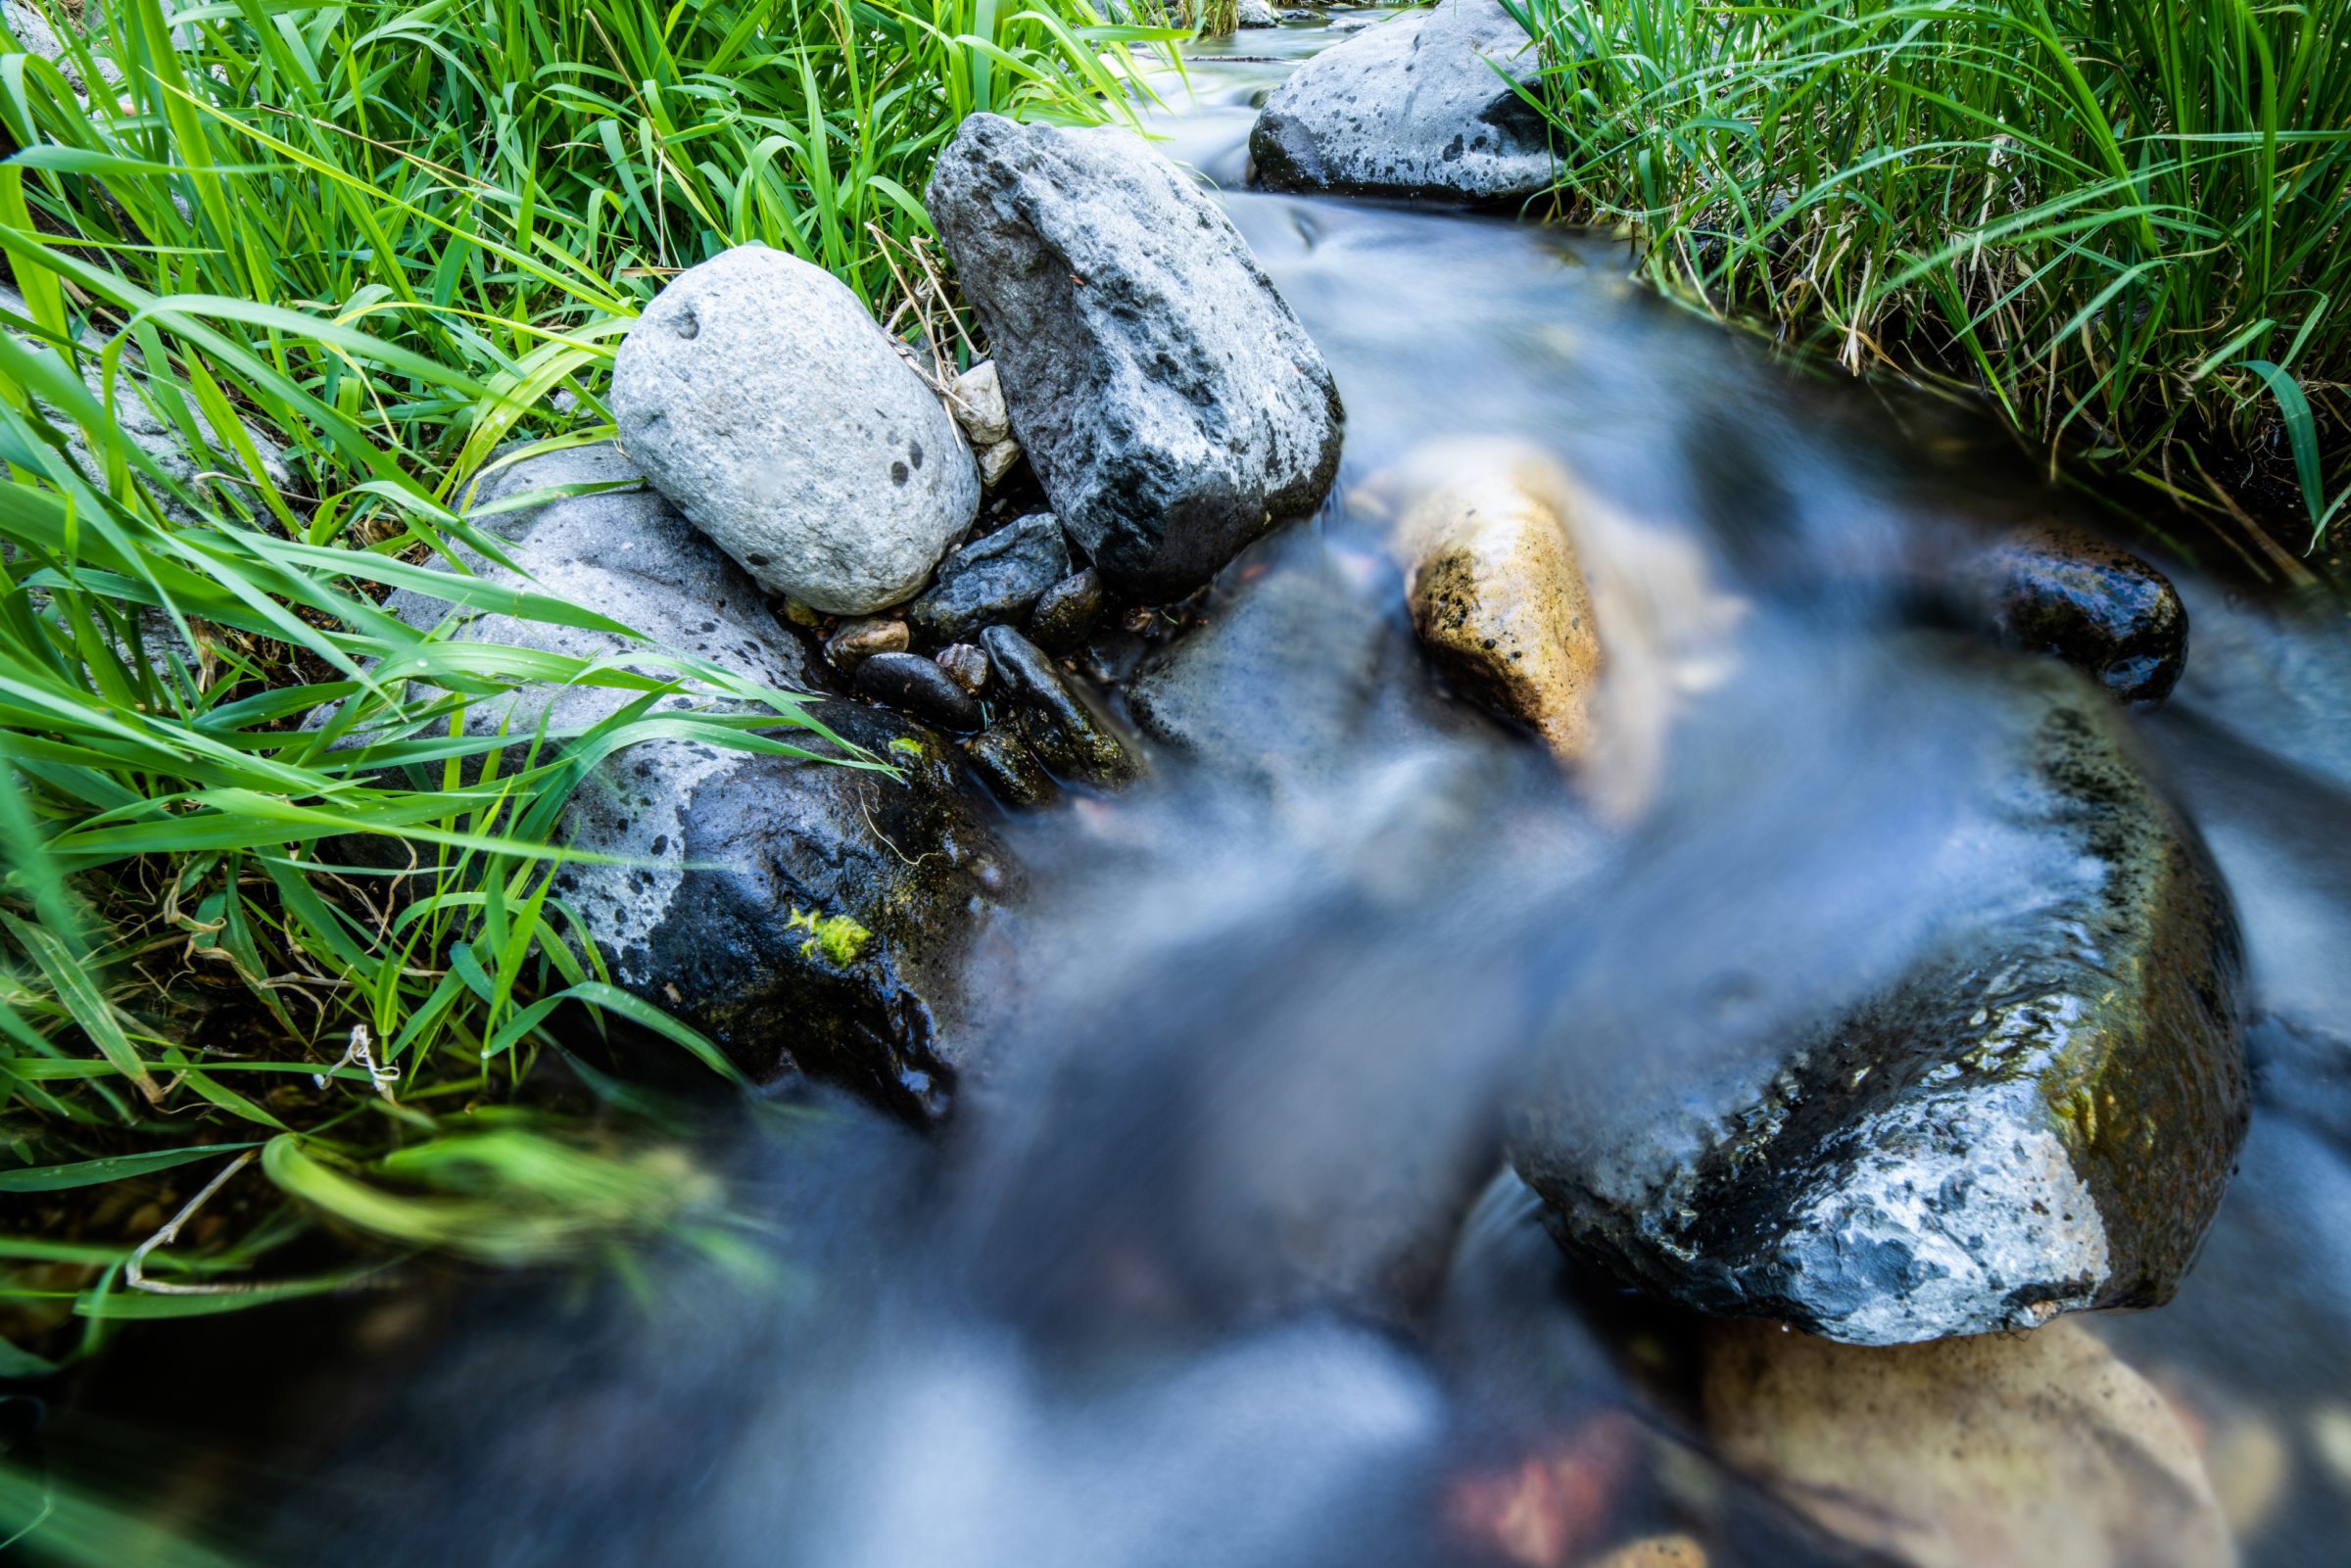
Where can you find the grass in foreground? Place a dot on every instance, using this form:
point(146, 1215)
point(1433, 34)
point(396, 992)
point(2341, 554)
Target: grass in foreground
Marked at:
point(380, 238)
point(2128, 221)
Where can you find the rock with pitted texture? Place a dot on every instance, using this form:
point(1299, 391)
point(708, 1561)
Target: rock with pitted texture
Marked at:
point(1501, 603)
point(1169, 403)
point(758, 395)
point(1426, 103)
point(2040, 1115)
point(807, 916)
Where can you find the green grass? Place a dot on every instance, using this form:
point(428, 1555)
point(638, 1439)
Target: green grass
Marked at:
point(382, 237)
point(2125, 219)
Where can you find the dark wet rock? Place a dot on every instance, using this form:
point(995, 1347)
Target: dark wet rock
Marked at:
point(966, 666)
point(1066, 732)
point(1068, 613)
point(858, 640)
point(2040, 1115)
point(915, 685)
point(1172, 406)
point(1006, 765)
point(2058, 591)
point(1423, 105)
point(805, 916)
point(994, 579)
point(1291, 677)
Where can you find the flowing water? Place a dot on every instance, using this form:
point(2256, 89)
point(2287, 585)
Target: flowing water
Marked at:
point(1202, 1275)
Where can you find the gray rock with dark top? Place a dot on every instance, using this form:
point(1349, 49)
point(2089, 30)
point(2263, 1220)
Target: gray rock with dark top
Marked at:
point(1169, 402)
point(2041, 1115)
point(1423, 105)
point(805, 916)
point(758, 395)
point(994, 579)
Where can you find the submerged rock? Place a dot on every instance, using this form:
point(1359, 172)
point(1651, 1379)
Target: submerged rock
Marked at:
point(1171, 404)
point(804, 915)
point(2034, 1451)
point(1500, 601)
point(1006, 765)
point(997, 578)
point(2040, 1116)
point(1060, 726)
point(2058, 591)
point(1424, 105)
point(758, 395)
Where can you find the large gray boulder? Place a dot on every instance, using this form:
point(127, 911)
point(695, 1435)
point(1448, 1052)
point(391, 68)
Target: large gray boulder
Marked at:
point(757, 394)
point(1424, 105)
point(803, 914)
point(2040, 1115)
point(1171, 404)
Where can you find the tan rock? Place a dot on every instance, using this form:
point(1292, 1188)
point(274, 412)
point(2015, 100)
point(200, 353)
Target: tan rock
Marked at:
point(859, 641)
point(1499, 599)
point(1654, 1551)
point(996, 460)
point(977, 400)
point(2032, 1450)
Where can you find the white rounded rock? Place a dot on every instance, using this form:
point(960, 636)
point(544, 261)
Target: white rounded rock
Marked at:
point(757, 394)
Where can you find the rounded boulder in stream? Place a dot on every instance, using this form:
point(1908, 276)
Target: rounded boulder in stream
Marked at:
point(2038, 1117)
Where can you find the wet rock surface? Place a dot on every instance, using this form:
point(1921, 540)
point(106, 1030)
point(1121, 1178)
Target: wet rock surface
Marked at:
point(2040, 1116)
point(757, 394)
point(1006, 765)
point(1169, 402)
point(995, 579)
point(2056, 590)
point(918, 686)
point(1412, 107)
point(855, 641)
point(1068, 612)
point(1066, 731)
point(808, 917)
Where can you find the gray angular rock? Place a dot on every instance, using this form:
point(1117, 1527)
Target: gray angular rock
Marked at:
point(757, 394)
point(1423, 105)
point(805, 916)
point(994, 579)
point(1171, 404)
point(2040, 1116)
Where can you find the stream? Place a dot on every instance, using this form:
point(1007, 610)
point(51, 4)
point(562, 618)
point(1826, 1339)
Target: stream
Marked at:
point(1214, 1267)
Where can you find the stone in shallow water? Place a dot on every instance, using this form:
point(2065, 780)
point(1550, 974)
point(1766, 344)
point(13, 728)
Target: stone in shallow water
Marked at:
point(807, 916)
point(1414, 106)
point(2058, 591)
point(2040, 1116)
point(1172, 406)
point(1060, 726)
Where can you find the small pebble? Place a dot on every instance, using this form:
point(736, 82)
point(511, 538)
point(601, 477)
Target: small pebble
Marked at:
point(1068, 612)
point(966, 664)
point(859, 641)
point(914, 685)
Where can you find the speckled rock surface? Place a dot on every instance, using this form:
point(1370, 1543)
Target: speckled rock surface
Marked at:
point(1169, 403)
point(807, 916)
point(1498, 598)
point(1412, 107)
point(757, 394)
point(2040, 1116)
